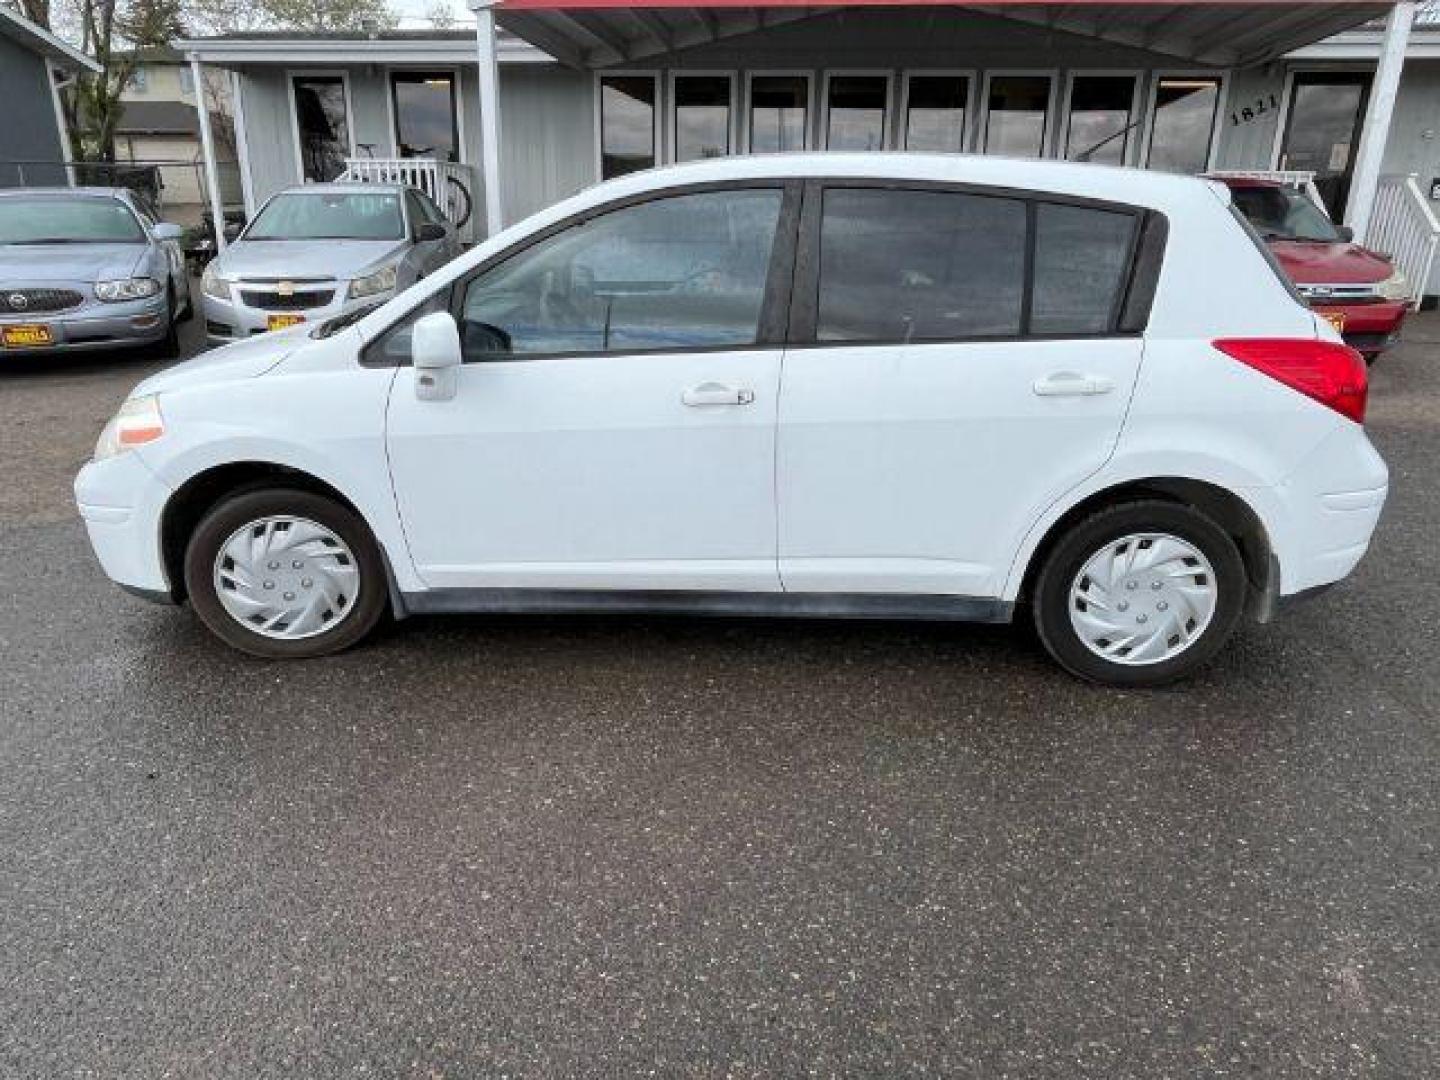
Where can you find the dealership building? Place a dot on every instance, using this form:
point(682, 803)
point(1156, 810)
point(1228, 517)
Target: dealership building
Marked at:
point(541, 99)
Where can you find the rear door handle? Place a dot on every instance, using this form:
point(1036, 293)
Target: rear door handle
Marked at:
point(1073, 384)
point(713, 393)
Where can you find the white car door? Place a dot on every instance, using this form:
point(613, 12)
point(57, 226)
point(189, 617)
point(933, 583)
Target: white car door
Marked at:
point(958, 364)
point(614, 426)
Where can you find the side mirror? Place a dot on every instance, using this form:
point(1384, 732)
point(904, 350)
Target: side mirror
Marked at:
point(435, 353)
point(1347, 234)
point(429, 231)
point(166, 231)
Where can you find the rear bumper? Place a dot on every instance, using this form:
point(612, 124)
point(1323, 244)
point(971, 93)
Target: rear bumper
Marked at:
point(1369, 328)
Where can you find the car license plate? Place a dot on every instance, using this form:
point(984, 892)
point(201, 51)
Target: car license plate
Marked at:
point(280, 322)
point(26, 335)
point(1335, 319)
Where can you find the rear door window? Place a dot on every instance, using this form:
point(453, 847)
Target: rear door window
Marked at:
point(1081, 258)
point(903, 266)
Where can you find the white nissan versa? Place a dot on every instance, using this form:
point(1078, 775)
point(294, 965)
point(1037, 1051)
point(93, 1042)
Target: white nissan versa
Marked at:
point(875, 385)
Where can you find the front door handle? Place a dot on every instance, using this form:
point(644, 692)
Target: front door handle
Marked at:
point(1073, 384)
point(713, 393)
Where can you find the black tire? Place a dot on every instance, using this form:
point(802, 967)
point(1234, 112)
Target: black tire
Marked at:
point(232, 514)
point(1051, 596)
point(168, 347)
point(187, 313)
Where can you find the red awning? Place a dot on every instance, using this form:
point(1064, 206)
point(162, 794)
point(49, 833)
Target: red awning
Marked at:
point(1220, 33)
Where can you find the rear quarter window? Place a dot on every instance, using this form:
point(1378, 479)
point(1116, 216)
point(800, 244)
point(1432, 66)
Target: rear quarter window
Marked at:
point(1082, 255)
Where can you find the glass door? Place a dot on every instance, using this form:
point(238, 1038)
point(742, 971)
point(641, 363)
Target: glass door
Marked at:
point(1323, 130)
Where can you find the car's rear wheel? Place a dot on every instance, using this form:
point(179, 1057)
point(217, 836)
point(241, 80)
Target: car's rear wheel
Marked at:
point(285, 573)
point(1140, 594)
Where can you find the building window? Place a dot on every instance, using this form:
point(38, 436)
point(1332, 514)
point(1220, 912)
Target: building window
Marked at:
point(1016, 110)
point(187, 81)
point(901, 266)
point(703, 120)
point(1184, 124)
point(779, 113)
point(627, 124)
point(322, 126)
point(935, 107)
point(139, 80)
point(855, 111)
point(425, 124)
point(1100, 119)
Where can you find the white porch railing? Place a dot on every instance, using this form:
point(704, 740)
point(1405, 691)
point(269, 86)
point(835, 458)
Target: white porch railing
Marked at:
point(1403, 226)
point(452, 186)
point(1296, 178)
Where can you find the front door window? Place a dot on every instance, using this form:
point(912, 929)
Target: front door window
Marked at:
point(322, 125)
point(1326, 111)
point(425, 115)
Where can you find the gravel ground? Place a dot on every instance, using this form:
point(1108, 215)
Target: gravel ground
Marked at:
point(622, 847)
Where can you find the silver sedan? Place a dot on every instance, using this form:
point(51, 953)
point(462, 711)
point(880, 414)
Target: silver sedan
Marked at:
point(87, 268)
point(314, 250)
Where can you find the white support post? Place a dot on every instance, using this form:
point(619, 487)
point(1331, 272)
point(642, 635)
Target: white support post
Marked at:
point(62, 128)
point(1371, 153)
point(489, 113)
point(242, 144)
point(207, 148)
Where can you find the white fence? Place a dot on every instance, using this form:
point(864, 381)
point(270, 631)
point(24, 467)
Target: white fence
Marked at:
point(1403, 226)
point(452, 186)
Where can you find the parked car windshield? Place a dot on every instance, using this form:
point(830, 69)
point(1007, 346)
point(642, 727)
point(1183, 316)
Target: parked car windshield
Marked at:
point(1281, 213)
point(68, 221)
point(329, 216)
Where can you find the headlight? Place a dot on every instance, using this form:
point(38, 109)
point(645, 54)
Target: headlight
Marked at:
point(1395, 287)
point(213, 285)
point(138, 422)
point(382, 280)
point(135, 288)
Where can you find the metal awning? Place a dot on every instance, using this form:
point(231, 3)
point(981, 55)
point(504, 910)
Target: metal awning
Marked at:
point(1222, 33)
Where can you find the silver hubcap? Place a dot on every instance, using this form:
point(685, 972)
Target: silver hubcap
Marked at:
point(1143, 599)
point(286, 577)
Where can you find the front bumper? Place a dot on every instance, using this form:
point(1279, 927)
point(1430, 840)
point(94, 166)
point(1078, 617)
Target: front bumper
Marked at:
point(1369, 328)
point(121, 501)
point(94, 326)
point(235, 320)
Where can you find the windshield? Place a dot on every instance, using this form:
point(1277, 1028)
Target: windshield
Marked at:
point(329, 216)
point(68, 221)
point(1281, 213)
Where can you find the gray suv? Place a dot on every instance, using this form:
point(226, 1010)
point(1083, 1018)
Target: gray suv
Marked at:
point(86, 269)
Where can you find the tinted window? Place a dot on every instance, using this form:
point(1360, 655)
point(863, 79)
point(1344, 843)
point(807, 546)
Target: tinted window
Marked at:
point(1081, 255)
point(919, 265)
point(682, 272)
point(1280, 213)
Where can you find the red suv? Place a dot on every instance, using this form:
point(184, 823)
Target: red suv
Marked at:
point(1360, 292)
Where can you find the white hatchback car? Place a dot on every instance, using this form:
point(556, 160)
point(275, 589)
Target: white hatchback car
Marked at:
point(882, 386)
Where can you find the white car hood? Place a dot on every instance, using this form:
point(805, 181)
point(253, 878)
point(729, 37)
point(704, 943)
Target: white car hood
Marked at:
point(242, 360)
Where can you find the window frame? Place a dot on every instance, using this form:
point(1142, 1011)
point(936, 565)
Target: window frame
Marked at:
point(774, 306)
point(972, 90)
point(747, 104)
point(657, 127)
point(291, 74)
point(1136, 120)
point(457, 105)
point(1047, 139)
point(1152, 95)
point(672, 111)
point(1129, 314)
point(887, 125)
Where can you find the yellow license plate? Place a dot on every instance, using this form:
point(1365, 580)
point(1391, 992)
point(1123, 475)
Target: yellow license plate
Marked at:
point(280, 322)
point(1334, 318)
point(26, 335)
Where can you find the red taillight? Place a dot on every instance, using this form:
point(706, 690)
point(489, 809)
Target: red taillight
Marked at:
point(1332, 374)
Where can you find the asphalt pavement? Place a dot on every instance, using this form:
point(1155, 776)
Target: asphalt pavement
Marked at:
point(680, 847)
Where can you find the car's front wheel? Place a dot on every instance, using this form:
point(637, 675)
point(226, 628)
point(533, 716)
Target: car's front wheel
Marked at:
point(285, 573)
point(1140, 594)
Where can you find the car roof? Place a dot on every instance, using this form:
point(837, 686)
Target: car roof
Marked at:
point(67, 192)
point(353, 187)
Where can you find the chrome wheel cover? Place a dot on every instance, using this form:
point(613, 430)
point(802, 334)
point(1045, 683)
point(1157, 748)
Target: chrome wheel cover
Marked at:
point(286, 578)
point(1143, 599)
